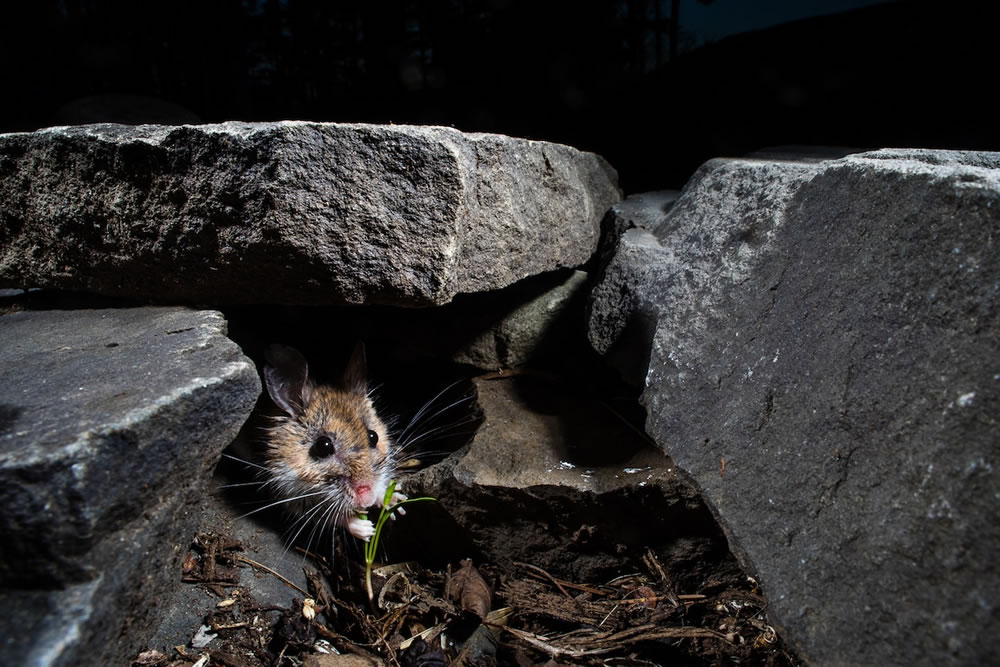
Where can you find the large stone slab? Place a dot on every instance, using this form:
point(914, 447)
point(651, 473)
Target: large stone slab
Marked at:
point(292, 212)
point(112, 421)
point(820, 347)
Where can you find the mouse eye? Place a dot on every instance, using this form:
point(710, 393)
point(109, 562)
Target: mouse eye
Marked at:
point(372, 438)
point(322, 448)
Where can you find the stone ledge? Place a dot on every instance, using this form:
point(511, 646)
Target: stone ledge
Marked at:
point(292, 212)
point(110, 424)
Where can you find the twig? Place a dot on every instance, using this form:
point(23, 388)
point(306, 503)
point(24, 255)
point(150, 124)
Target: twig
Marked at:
point(394, 617)
point(231, 626)
point(535, 568)
point(253, 563)
point(639, 600)
point(545, 647)
point(342, 643)
point(613, 610)
point(649, 558)
point(653, 564)
point(605, 642)
point(501, 374)
point(670, 597)
point(566, 584)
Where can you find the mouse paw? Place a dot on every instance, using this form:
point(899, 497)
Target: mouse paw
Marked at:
point(397, 498)
point(363, 529)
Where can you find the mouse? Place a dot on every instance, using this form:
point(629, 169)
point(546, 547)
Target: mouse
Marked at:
point(327, 454)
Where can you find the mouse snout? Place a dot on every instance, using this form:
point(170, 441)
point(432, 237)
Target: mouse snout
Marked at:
point(364, 495)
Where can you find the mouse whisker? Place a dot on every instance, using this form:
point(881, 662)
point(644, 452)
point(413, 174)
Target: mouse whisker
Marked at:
point(318, 528)
point(243, 461)
point(430, 419)
point(426, 406)
point(234, 485)
point(331, 515)
point(417, 456)
point(436, 432)
point(304, 520)
point(279, 502)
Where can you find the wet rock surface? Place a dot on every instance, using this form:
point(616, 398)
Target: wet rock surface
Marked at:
point(823, 355)
point(558, 480)
point(112, 423)
point(292, 212)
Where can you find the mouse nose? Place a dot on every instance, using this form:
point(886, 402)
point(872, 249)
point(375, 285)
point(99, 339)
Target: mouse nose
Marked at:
point(364, 495)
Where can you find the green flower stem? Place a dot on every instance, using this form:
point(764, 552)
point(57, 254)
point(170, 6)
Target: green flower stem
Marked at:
point(372, 545)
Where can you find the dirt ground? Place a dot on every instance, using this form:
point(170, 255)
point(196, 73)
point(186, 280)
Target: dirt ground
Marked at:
point(249, 600)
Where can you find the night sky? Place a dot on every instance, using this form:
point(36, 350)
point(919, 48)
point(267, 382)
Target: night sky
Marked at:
point(710, 22)
point(601, 76)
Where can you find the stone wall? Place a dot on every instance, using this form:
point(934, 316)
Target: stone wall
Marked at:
point(816, 340)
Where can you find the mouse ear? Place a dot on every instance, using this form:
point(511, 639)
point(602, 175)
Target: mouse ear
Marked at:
point(286, 376)
point(356, 375)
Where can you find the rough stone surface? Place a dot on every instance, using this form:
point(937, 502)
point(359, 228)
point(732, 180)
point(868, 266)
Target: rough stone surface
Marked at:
point(292, 212)
point(262, 538)
point(531, 320)
point(823, 345)
point(521, 333)
point(545, 459)
point(110, 424)
point(644, 209)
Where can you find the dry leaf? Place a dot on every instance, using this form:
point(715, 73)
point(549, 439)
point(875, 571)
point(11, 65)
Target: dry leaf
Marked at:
point(470, 590)
point(647, 595)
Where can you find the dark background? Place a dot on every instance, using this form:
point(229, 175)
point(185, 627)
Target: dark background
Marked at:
point(654, 96)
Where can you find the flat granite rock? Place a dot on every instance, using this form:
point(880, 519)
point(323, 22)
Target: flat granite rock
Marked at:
point(820, 347)
point(111, 422)
point(292, 212)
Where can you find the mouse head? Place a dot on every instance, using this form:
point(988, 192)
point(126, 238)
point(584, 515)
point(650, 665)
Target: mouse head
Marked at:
point(327, 439)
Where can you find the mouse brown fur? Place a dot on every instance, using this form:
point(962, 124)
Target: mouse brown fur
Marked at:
point(327, 452)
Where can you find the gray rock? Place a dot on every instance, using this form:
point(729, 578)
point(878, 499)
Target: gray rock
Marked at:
point(110, 424)
point(292, 212)
point(557, 480)
point(823, 346)
point(519, 335)
point(261, 539)
point(531, 319)
point(644, 209)
point(801, 153)
point(697, 255)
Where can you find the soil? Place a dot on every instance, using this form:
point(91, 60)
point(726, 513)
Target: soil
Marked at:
point(464, 613)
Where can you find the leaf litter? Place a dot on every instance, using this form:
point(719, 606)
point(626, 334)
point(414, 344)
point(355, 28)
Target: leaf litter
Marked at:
point(470, 614)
